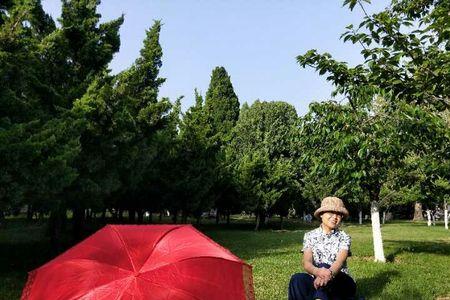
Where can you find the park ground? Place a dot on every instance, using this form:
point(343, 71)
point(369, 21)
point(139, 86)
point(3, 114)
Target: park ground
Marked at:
point(417, 267)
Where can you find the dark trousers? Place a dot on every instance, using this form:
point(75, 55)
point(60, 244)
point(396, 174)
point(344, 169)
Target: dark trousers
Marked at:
point(301, 287)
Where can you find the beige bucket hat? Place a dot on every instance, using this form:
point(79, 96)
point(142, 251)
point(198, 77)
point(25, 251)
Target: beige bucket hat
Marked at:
point(333, 204)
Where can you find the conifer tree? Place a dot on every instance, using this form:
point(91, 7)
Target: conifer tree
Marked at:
point(80, 50)
point(138, 88)
point(222, 112)
point(222, 106)
point(262, 156)
point(37, 144)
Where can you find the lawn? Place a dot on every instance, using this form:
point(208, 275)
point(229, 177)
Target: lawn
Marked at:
point(418, 256)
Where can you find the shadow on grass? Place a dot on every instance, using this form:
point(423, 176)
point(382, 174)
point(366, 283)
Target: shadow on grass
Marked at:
point(16, 260)
point(372, 287)
point(436, 247)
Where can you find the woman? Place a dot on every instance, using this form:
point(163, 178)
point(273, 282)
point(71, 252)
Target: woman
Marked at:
point(325, 251)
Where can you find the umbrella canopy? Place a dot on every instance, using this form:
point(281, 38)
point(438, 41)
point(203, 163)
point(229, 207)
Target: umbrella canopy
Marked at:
point(143, 262)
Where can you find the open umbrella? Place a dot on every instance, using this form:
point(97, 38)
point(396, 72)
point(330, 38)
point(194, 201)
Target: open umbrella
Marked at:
point(143, 262)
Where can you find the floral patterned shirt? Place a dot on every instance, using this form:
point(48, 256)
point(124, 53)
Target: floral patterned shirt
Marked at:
point(325, 247)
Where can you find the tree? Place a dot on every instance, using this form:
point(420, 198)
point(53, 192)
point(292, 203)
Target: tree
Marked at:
point(80, 50)
point(193, 173)
point(72, 135)
point(123, 116)
point(221, 112)
point(38, 143)
point(406, 62)
point(137, 88)
point(263, 157)
point(221, 107)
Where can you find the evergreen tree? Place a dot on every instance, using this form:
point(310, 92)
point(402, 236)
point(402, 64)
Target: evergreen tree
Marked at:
point(221, 106)
point(196, 162)
point(263, 155)
point(78, 51)
point(138, 89)
point(222, 112)
point(38, 144)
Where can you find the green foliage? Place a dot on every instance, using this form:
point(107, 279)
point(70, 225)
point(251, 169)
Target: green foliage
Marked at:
point(405, 48)
point(221, 111)
point(351, 149)
point(396, 98)
point(427, 159)
point(82, 48)
point(263, 156)
point(194, 176)
point(122, 134)
point(38, 143)
point(72, 135)
point(221, 106)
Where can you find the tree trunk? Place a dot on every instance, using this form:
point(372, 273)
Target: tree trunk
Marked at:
point(184, 216)
point(29, 212)
point(228, 217)
point(2, 218)
point(281, 222)
point(217, 216)
point(150, 217)
point(384, 217)
point(376, 232)
point(428, 217)
point(175, 217)
point(140, 213)
point(160, 216)
point(360, 216)
point(418, 212)
point(258, 220)
point(446, 215)
point(56, 225)
point(103, 217)
point(132, 216)
point(120, 215)
point(78, 222)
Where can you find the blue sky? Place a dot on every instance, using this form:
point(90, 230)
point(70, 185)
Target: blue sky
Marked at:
point(257, 42)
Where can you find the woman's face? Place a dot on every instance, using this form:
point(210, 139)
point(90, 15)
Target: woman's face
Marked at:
point(331, 219)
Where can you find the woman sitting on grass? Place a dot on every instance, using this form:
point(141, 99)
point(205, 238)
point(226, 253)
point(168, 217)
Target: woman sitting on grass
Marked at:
point(325, 251)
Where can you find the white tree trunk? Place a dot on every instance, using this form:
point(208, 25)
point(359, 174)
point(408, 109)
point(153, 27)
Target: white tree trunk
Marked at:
point(429, 217)
point(360, 216)
point(446, 216)
point(384, 217)
point(376, 232)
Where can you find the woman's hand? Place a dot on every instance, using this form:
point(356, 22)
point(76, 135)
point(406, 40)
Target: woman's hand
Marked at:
point(325, 274)
point(320, 282)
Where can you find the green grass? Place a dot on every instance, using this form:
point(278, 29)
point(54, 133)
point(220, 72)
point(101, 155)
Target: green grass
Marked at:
point(418, 256)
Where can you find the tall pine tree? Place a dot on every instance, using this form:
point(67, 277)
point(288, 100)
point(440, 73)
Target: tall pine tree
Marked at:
point(222, 113)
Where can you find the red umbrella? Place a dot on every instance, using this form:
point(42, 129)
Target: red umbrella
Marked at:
point(143, 262)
